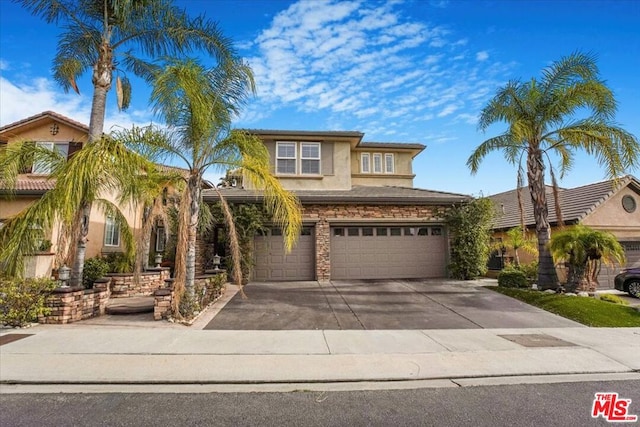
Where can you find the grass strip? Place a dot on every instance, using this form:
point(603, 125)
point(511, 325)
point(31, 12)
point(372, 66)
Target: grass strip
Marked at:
point(588, 311)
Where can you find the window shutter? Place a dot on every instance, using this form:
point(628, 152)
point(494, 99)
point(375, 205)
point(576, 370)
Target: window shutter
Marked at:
point(73, 147)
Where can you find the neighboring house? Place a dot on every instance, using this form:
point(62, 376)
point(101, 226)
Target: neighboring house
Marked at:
point(607, 206)
point(61, 133)
point(362, 218)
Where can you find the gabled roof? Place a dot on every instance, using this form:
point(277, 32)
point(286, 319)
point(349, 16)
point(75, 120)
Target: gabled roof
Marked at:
point(575, 203)
point(44, 115)
point(384, 195)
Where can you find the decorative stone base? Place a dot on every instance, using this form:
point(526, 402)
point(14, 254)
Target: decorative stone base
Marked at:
point(68, 305)
point(164, 297)
point(124, 286)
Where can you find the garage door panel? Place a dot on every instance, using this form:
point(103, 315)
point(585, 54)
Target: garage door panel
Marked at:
point(387, 256)
point(272, 263)
point(607, 274)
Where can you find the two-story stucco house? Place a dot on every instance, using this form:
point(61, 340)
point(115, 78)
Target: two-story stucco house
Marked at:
point(362, 217)
point(55, 131)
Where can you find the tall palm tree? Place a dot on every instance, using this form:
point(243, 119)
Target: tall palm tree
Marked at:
point(198, 105)
point(584, 250)
point(542, 122)
point(104, 167)
point(103, 36)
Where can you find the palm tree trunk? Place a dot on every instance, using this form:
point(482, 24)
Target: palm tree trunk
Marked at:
point(102, 74)
point(192, 230)
point(535, 173)
point(81, 246)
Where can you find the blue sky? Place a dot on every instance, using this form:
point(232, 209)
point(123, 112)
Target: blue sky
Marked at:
point(399, 71)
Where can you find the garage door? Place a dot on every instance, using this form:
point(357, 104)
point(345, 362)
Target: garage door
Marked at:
point(271, 262)
point(607, 274)
point(387, 252)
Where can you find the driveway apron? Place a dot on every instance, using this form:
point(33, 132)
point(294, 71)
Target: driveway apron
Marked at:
point(378, 304)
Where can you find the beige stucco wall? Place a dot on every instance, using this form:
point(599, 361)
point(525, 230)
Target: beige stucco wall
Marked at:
point(610, 216)
point(40, 131)
point(403, 176)
point(336, 174)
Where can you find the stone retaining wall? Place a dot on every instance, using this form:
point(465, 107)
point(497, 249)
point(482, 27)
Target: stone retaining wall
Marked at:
point(164, 297)
point(124, 286)
point(70, 305)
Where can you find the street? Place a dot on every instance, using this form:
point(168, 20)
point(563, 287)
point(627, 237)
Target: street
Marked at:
point(561, 404)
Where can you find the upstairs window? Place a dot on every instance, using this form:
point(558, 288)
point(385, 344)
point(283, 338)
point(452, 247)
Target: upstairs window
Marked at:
point(301, 158)
point(111, 232)
point(286, 158)
point(64, 149)
point(377, 163)
point(310, 158)
point(365, 163)
point(388, 163)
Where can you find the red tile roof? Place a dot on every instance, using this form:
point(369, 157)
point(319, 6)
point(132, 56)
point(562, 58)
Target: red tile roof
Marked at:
point(51, 114)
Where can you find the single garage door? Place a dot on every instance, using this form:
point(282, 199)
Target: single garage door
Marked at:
point(387, 252)
point(272, 263)
point(607, 274)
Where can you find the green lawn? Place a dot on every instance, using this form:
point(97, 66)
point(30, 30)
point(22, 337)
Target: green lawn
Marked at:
point(588, 311)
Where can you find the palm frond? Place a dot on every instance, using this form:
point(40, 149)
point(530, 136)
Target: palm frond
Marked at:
point(505, 142)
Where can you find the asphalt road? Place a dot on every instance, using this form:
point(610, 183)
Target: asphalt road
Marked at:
point(379, 304)
point(549, 405)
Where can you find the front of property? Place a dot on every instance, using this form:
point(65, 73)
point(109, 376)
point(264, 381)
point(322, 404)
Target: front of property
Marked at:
point(362, 218)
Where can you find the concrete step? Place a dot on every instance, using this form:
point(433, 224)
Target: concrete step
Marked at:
point(131, 305)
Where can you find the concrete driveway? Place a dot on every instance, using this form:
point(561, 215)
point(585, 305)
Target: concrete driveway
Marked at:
point(379, 304)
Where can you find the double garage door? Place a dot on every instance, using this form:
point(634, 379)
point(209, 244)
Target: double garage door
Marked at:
point(356, 252)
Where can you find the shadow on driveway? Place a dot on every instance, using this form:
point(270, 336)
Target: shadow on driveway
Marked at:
point(379, 304)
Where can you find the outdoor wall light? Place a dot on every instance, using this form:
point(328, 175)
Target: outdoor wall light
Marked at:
point(158, 259)
point(216, 262)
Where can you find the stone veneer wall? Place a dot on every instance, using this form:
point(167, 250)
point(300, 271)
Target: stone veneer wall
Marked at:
point(163, 297)
point(324, 215)
point(70, 305)
point(124, 286)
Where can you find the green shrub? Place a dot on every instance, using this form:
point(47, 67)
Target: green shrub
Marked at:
point(512, 278)
point(530, 271)
point(613, 298)
point(94, 269)
point(119, 263)
point(22, 300)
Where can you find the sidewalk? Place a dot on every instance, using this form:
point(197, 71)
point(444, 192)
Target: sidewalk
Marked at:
point(116, 355)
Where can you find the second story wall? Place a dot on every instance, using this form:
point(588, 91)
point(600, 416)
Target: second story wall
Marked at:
point(379, 167)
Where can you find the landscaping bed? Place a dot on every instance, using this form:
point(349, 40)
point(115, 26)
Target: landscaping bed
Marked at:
point(586, 310)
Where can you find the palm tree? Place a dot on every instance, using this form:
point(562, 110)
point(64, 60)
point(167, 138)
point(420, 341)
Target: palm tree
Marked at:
point(101, 35)
point(104, 167)
point(540, 115)
point(516, 239)
point(584, 250)
point(198, 105)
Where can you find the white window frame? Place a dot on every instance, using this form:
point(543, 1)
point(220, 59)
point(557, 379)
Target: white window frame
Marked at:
point(365, 162)
point(111, 233)
point(388, 169)
point(160, 239)
point(377, 167)
point(294, 158)
point(39, 168)
point(303, 157)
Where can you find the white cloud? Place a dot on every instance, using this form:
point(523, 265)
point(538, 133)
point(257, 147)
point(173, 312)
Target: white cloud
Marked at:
point(482, 56)
point(4, 65)
point(19, 101)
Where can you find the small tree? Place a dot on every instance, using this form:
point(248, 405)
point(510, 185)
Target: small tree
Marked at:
point(584, 250)
point(470, 226)
point(515, 240)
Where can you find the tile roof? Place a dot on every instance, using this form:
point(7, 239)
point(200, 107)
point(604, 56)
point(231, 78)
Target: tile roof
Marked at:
point(576, 203)
point(51, 114)
point(358, 194)
point(30, 186)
